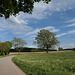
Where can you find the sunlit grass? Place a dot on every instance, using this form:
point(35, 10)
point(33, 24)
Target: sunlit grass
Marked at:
point(47, 64)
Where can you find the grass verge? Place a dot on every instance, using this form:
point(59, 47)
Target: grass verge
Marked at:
point(47, 64)
point(3, 56)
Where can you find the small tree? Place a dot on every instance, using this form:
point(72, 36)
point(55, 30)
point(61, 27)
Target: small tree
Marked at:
point(45, 39)
point(8, 47)
point(5, 47)
point(60, 49)
point(18, 42)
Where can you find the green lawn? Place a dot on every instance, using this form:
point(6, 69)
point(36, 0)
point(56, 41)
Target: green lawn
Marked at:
point(47, 64)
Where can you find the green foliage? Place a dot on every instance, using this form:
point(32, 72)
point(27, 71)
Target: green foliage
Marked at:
point(19, 49)
point(47, 64)
point(18, 42)
point(13, 7)
point(45, 39)
point(5, 47)
point(3, 56)
point(73, 49)
point(37, 50)
point(34, 50)
point(60, 49)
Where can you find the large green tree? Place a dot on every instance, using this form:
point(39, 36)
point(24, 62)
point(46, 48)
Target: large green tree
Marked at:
point(45, 39)
point(13, 7)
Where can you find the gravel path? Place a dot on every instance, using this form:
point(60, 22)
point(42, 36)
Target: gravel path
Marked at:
point(7, 67)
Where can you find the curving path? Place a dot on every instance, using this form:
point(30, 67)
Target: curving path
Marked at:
point(7, 67)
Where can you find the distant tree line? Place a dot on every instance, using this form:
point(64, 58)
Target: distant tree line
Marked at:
point(25, 49)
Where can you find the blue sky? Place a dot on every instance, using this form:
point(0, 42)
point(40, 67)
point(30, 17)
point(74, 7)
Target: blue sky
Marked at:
point(58, 16)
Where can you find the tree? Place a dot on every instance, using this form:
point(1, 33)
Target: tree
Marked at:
point(19, 49)
point(73, 49)
point(60, 49)
point(5, 47)
point(45, 39)
point(13, 7)
point(18, 42)
point(8, 47)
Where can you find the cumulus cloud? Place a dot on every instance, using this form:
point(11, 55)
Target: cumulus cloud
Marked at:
point(15, 25)
point(39, 11)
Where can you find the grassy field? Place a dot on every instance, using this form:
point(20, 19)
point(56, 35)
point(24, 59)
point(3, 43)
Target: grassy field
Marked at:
point(47, 64)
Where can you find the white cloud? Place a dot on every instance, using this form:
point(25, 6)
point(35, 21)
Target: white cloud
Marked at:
point(16, 20)
point(1, 29)
point(32, 46)
point(72, 20)
point(70, 25)
point(68, 46)
point(33, 32)
point(39, 11)
point(33, 36)
point(30, 39)
point(15, 25)
point(61, 34)
point(50, 28)
point(69, 32)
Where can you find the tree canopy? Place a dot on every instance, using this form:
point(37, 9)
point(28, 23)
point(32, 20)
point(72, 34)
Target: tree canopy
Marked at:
point(45, 39)
point(18, 42)
point(13, 7)
point(5, 47)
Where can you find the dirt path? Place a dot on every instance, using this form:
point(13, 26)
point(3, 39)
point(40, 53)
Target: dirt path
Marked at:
point(7, 67)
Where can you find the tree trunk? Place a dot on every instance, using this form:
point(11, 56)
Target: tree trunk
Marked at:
point(47, 50)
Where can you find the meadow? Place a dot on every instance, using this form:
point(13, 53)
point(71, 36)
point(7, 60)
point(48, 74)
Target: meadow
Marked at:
point(47, 63)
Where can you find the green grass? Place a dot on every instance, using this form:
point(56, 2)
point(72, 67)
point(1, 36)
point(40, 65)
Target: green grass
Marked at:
point(3, 56)
point(47, 64)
